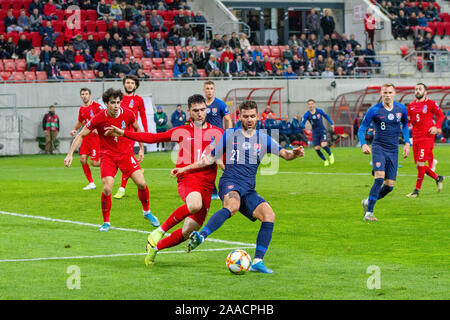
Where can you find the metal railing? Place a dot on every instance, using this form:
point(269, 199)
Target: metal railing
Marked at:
point(435, 61)
point(207, 29)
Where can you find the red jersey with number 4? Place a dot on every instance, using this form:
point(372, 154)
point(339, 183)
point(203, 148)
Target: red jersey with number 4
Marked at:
point(193, 142)
point(421, 114)
point(136, 104)
point(112, 146)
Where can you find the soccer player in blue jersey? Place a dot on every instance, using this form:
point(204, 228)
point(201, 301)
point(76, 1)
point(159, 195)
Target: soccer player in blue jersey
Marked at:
point(315, 117)
point(243, 149)
point(390, 118)
point(217, 114)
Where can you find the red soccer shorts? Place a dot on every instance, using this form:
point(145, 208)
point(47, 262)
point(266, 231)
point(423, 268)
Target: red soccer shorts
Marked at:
point(186, 187)
point(127, 163)
point(423, 150)
point(90, 145)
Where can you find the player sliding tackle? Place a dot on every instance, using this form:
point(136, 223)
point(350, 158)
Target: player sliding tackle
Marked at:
point(194, 187)
point(115, 154)
point(390, 118)
point(243, 149)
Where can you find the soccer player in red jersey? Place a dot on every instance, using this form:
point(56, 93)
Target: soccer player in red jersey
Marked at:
point(194, 187)
point(90, 146)
point(420, 113)
point(136, 104)
point(115, 153)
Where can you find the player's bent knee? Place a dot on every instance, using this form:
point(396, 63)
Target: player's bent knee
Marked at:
point(194, 206)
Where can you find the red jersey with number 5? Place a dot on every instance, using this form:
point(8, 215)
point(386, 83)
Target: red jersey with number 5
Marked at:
point(421, 114)
point(194, 143)
point(112, 146)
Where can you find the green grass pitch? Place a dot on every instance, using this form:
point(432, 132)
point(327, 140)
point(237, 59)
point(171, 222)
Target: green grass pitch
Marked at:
point(321, 248)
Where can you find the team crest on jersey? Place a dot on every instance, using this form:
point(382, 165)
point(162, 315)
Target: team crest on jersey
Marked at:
point(390, 116)
point(92, 113)
point(378, 164)
point(231, 186)
point(214, 110)
point(257, 146)
point(318, 116)
point(88, 124)
point(424, 110)
point(208, 110)
point(246, 145)
point(123, 124)
point(314, 117)
point(131, 105)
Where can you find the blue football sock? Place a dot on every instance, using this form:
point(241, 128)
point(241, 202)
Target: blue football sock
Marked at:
point(327, 149)
point(374, 192)
point(263, 239)
point(215, 222)
point(321, 155)
point(384, 191)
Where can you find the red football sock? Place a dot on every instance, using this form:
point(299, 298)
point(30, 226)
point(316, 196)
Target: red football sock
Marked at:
point(431, 173)
point(106, 207)
point(124, 181)
point(87, 172)
point(420, 176)
point(177, 216)
point(175, 238)
point(144, 197)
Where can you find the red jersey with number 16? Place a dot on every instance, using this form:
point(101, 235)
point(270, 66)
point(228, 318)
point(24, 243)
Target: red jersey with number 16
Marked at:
point(112, 146)
point(421, 114)
point(194, 143)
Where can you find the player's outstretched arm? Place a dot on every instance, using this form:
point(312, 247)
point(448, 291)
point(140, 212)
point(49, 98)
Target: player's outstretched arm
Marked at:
point(205, 161)
point(291, 155)
point(75, 144)
point(141, 146)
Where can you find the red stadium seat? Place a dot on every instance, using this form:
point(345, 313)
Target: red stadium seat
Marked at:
point(169, 63)
point(66, 75)
point(1, 65)
point(9, 65)
point(90, 26)
point(128, 52)
point(30, 75)
point(21, 65)
point(275, 51)
point(202, 73)
point(3, 14)
point(440, 28)
point(101, 35)
point(432, 27)
point(404, 50)
point(6, 4)
point(17, 5)
point(137, 52)
point(91, 15)
point(168, 74)
point(447, 28)
point(16, 13)
point(101, 26)
point(157, 62)
point(41, 75)
point(157, 74)
point(88, 74)
point(77, 75)
point(18, 76)
point(5, 75)
point(58, 25)
point(265, 51)
point(172, 52)
point(147, 64)
point(36, 39)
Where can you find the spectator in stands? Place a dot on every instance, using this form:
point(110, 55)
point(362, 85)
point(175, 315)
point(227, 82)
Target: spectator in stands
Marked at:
point(50, 125)
point(362, 67)
point(293, 42)
point(114, 53)
point(161, 6)
point(88, 59)
point(79, 60)
point(178, 117)
point(104, 10)
point(100, 54)
point(289, 73)
point(118, 67)
point(141, 74)
point(24, 21)
point(257, 52)
point(297, 130)
point(117, 41)
point(260, 67)
point(32, 59)
point(147, 47)
point(69, 58)
point(234, 41)
point(353, 41)
point(10, 20)
point(115, 29)
point(179, 68)
point(87, 4)
point(106, 42)
point(127, 35)
point(431, 13)
point(227, 53)
point(320, 64)
point(182, 54)
point(270, 69)
point(327, 74)
point(422, 24)
point(419, 43)
point(104, 67)
point(265, 114)
point(200, 27)
point(271, 124)
point(245, 44)
point(340, 72)
point(369, 25)
point(11, 49)
point(187, 35)
point(141, 31)
point(180, 19)
point(23, 46)
point(173, 37)
point(287, 53)
point(125, 11)
point(253, 23)
point(200, 57)
point(217, 43)
point(190, 63)
point(160, 46)
point(48, 34)
point(50, 11)
point(401, 27)
point(313, 22)
point(79, 43)
point(327, 23)
point(298, 51)
point(413, 21)
point(35, 20)
point(249, 65)
point(190, 73)
point(45, 57)
point(189, 16)
point(238, 67)
point(310, 53)
point(212, 68)
point(157, 22)
point(429, 41)
point(36, 4)
point(115, 11)
point(52, 70)
point(225, 67)
point(92, 43)
point(329, 63)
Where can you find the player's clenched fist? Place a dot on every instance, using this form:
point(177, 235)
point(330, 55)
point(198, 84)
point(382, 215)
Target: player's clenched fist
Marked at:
point(366, 149)
point(114, 131)
point(175, 172)
point(73, 133)
point(299, 152)
point(68, 161)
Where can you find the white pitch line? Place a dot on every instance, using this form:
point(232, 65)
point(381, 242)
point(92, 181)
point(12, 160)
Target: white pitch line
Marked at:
point(113, 228)
point(112, 255)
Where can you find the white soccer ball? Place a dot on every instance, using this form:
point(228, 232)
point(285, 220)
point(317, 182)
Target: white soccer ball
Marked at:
point(238, 262)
